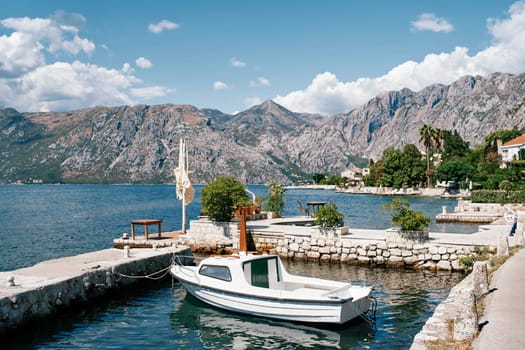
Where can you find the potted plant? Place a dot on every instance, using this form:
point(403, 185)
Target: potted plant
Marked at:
point(258, 204)
point(412, 224)
point(275, 201)
point(328, 218)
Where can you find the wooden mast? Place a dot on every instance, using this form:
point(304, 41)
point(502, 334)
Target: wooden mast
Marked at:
point(243, 245)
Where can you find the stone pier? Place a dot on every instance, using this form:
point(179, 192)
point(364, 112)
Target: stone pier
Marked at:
point(45, 289)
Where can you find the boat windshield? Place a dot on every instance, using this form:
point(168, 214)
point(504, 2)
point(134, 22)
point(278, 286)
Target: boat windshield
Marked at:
point(219, 272)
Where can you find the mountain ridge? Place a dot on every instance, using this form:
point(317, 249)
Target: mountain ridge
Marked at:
point(263, 143)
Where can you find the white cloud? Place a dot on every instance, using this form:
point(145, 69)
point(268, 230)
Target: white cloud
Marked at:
point(237, 63)
point(219, 85)
point(252, 101)
point(58, 33)
point(327, 95)
point(149, 92)
point(161, 26)
point(64, 86)
point(23, 50)
point(127, 69)
point(429, 21)
point(143, 63)
point(261, 81)
point(19, 53)
point(29, 83)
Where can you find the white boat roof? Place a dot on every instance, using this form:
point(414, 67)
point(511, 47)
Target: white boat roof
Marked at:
point(235, 259)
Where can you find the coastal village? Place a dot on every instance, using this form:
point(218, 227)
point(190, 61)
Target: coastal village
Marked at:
point(301, 237)
point(185, 175)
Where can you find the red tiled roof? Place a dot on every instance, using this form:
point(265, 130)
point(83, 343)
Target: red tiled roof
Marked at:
point(520, 140)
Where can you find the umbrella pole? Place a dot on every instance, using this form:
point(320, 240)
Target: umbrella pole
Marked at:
point(183, 211)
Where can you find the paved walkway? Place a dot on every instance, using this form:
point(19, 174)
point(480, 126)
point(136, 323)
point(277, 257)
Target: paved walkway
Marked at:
point(504, 316)
point(487, 235)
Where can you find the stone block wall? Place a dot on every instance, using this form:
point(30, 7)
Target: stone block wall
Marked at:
point(207, 236)
point(468, 206)
point(395, 254)
point(395, 251)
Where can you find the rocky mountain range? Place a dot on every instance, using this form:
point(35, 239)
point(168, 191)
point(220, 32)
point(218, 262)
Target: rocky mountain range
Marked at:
point(264, 143)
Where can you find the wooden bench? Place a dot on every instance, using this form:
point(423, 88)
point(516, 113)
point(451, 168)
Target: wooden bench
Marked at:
point(146, 223)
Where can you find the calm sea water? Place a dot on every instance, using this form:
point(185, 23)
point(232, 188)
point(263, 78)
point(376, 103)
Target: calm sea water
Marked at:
point(40, 222)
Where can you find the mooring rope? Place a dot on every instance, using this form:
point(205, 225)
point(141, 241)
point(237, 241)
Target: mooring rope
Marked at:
point(149, 276)
point(370, 315)
point(175, 259)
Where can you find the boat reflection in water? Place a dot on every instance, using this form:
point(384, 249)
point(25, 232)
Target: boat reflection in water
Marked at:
point(219, 330)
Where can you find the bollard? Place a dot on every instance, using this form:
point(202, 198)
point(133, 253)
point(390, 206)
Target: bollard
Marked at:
point(520, 240)
point(127, 252)
point(480, 279)
point(11, 281)
point(466, 319)
point(503, 245)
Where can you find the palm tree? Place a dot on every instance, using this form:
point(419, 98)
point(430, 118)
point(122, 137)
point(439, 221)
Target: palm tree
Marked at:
point(438, 136)
point(427, 138)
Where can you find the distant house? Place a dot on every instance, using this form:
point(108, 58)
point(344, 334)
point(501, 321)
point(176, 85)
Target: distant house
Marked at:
point(355, 176)
point(512, 150)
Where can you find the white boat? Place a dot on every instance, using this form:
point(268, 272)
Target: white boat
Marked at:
point(259, 285)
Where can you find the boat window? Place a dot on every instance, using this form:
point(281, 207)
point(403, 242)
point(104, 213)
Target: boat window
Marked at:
point(219, 272)
point(262, 272)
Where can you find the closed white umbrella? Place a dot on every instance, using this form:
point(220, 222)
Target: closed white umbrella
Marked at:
point(185, 191)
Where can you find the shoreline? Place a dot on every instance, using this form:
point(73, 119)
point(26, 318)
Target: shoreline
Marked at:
point(389, 191)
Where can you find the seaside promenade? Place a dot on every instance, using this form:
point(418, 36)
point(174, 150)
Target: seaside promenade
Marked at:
point(503, 321)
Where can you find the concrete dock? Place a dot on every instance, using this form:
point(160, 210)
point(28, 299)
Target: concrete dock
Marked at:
point(33, 293)
point(503, 321)
point(487, 235)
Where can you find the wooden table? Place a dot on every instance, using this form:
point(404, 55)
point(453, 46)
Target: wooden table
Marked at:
point(313, 207)
point(146, 223)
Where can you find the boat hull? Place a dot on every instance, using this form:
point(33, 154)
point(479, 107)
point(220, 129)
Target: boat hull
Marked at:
point(305, 311)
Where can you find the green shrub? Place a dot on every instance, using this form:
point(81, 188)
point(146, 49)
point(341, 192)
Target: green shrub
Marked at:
point(480, 254)
point(276, 200)
point(328, 216)
point(220, 198)
point(497, 196)
point(406, 218)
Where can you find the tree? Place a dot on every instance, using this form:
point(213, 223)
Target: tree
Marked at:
point(220, 198)
point(454, 147)
point(457, 171)
point(502, 135)
point(391, 165)
point(318, 178)
point(438, 137)
point(376, 172)
point(276, 199)
point(406, 218)
point(400, 168)
point(427, 138)
point(412, 166)
point(335, 179)
point(328, 216)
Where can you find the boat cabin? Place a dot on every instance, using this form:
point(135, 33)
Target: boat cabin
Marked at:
point(264, 271)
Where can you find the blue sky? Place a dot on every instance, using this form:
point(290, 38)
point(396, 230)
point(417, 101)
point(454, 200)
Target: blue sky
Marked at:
point(310, 56)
